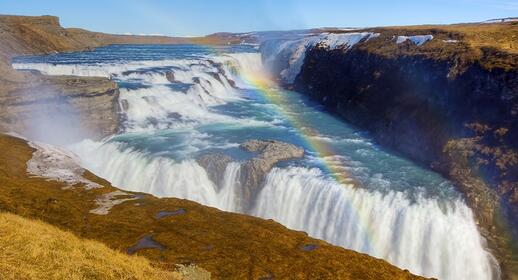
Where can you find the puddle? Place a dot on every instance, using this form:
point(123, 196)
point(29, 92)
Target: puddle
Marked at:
point(146, 242)
point(163, 214)
point(308, 247)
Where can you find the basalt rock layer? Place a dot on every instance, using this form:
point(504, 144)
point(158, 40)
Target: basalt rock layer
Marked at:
point(450, 104)
point(252, 172)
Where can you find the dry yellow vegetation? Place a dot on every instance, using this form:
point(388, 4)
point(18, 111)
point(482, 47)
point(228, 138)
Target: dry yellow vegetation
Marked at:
point(31, 249)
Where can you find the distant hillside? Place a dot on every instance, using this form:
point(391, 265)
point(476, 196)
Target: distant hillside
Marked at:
point(25, 35)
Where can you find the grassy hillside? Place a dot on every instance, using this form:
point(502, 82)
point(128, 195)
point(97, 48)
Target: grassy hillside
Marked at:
point(491, 45)
point(31, 249)
point(24, 35)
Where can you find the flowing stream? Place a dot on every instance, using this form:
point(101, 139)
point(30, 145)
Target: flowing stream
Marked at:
point(180, 102)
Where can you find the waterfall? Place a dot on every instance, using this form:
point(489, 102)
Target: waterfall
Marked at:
point(135, 171)
point(430, 236)
point(284, 58)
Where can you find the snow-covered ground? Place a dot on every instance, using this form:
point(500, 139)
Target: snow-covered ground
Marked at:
point(416, 39)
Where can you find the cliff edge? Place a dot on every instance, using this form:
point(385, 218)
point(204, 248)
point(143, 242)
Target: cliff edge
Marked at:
point(444, 96)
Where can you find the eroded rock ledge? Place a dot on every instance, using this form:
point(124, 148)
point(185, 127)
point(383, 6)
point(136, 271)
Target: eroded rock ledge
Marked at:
point(81, 106)
point(252, 172)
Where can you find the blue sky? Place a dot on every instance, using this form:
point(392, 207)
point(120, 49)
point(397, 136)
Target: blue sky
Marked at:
point(200, 17)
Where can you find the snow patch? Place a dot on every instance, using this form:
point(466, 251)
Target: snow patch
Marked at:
point(346, 40)
point(107, 201)
point(499, 20)
point(417, 39)
point(291, 53)
point(55, 164)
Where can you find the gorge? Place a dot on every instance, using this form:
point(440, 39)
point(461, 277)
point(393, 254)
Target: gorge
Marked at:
point(209, 123)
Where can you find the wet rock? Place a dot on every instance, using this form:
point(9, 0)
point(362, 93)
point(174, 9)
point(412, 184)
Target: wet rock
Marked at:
point(221, 73)
point(273, 150)
point(169, 75)
point(81, 107)
point(252, 172)
point(164, 214)
point(215, 165)
point(216, 76)
point(269, 152)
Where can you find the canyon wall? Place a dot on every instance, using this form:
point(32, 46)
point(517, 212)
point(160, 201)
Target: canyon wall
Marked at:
point(31, 103)
point(444, 96)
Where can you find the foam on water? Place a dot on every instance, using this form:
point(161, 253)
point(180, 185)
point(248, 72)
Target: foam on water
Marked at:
point(429, 237)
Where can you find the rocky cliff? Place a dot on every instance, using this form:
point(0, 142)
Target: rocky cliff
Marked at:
point(444, 96)
point(26, 99)
point(25, 96)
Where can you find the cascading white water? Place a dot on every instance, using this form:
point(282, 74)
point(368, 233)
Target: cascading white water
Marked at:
point(163, 177)
point(428, 237)
point(159, 106)
point(431, 236)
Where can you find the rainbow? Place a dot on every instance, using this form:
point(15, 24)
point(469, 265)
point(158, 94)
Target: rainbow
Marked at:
point(266, 87)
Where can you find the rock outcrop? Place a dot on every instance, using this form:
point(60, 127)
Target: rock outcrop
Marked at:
point(450, 103)
point(215, 165)
point(61, 108)
point(30, 102)
point(252, 172)
point(268, 153)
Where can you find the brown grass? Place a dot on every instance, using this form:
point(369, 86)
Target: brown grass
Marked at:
point(492, 46)
point(502, 36)
point(31, 249)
